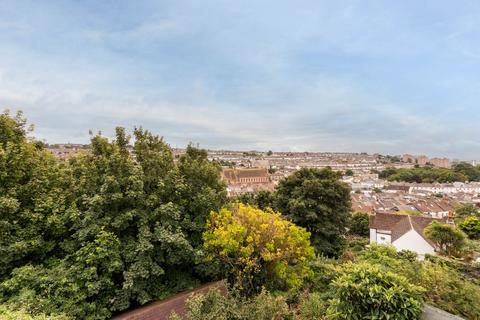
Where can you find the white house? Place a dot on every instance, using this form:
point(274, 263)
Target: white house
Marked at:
point(404, 232)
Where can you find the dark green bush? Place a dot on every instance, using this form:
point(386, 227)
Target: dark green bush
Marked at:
point(366, 291)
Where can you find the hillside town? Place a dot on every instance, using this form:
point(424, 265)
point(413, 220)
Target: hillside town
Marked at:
point(254, 171)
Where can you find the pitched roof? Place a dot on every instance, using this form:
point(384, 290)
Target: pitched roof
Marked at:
point(398, 225)
point(252, 173)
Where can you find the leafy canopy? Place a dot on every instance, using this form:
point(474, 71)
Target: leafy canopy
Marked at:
point(260, 247)
point(359, 224)
point(105, 230)
point(471, 226)
point(318, 201)
point(446, 237)
point(366, 291)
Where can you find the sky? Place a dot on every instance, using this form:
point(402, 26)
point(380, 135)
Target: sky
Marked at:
point(391, 77)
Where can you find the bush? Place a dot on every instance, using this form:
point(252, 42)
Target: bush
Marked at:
point(471, 226)
point(324, 271)
point(366, 291)
point(215, 306)
point(407, 255)
point(312, 306)
point(446, 290)
point(358, 245)
point(6, 313)
point(260, 247)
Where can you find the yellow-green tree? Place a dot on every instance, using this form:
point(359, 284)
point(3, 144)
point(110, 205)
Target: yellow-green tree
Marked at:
point(260, 247)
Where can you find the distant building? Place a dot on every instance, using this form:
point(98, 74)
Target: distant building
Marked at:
point(404, 232)
point(246, 176)
point(422, 160)
point(440, 162)
point(408, 158)
point(64, 151)
point(446, 188)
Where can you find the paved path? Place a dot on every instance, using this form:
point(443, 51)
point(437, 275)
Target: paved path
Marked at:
point(160, 310)
point(432, 313)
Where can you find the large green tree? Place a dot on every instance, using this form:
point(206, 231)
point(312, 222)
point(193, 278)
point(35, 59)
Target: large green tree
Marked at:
point(318, 201)
point(112, 228)
point(32, 197)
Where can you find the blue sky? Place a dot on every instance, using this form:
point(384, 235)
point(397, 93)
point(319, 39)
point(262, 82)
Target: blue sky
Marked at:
point(376, 76)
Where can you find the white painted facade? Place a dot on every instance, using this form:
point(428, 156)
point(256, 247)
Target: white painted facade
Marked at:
point(414, 242)
point(380, 236)
point(411, 240)
point(456, 187)
point(373, 235)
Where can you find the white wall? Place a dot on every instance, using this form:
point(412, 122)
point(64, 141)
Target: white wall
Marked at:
point(383, 238)
point(414, 242)
point(380, 238)
point(373, 235)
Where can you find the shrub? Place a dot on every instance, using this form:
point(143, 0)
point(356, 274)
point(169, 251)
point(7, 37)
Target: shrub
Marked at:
point(312, 306)
point(366, 291)
point(358, 245)
point(324, 271)
point(260, 247)
point(471, 226)
point(6, 313)
point(215, 306)
point(446, 290)
point(407, 255)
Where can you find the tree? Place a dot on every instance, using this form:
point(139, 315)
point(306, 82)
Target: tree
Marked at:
point(465, 210)
point(263, 199)
point(349, 172)
point(366, 291)
point(446, 237)
point(103, 230)
point(32, 197)
point(471, 226)
point(471, 172)
point(318, 201)
point(260, 247)
point(359, 224)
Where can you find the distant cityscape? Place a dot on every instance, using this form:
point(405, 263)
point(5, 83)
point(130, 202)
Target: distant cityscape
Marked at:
point(254, 171)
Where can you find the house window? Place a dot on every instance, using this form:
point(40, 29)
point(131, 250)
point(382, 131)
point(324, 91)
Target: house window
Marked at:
point(382, 238)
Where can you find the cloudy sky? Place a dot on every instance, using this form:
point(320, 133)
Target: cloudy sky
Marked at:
point(376, 76)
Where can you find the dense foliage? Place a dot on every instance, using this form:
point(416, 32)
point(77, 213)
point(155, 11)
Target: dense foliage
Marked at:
point(260, 247)
point(215, 306)
point(104, 230)
point(366, 291)
point(471, 227)
point(318, 201)
point(464, 211)
point(122, 224)
point(262, 199)
point(379, 283)
point(358, 224)
point(449, 239)
point(427, 174)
